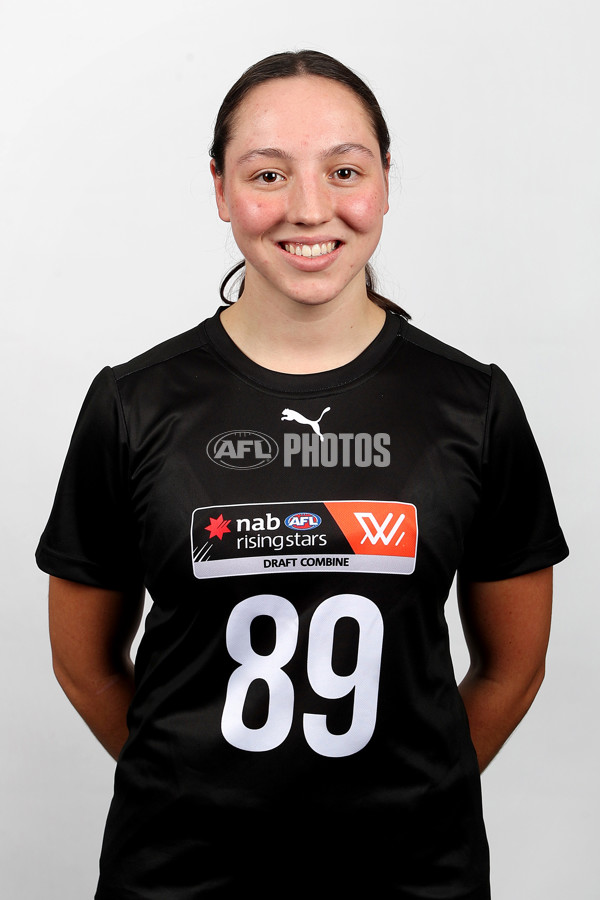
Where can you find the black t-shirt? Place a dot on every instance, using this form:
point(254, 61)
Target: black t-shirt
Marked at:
point(296, 725)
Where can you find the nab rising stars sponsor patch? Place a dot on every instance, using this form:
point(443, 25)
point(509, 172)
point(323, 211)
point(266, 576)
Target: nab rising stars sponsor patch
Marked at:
point(352, 535)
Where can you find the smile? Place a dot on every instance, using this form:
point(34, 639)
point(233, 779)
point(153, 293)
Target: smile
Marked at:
point(311, 249)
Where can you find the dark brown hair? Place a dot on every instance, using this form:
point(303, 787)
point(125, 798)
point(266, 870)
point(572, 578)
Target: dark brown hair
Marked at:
point(288, 65)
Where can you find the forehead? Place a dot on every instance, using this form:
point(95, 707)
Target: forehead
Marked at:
point(300, 114)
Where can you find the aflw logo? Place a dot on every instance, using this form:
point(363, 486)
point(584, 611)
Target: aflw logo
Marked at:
point(382, 528)
point(379, 533)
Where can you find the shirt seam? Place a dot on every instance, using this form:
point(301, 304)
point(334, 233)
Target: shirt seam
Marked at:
point(158, 362)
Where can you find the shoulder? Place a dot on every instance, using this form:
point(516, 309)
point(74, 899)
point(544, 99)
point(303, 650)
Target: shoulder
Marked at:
point(175, 348)
point(437, 350)
point(439, 370)
point(434, 371)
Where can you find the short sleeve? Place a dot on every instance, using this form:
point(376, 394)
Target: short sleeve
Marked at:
point(90, 536)
point(516, 529)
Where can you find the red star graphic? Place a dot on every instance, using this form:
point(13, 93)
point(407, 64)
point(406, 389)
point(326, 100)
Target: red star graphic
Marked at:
point(218, 527)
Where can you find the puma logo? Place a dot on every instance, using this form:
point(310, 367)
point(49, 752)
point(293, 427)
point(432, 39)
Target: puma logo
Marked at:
point(290, 415)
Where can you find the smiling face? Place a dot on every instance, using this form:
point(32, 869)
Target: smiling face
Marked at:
point(304, 189)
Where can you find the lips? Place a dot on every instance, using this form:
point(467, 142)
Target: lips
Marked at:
point(307, 250)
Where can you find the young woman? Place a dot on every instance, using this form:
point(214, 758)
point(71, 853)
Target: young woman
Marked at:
point(296, 482)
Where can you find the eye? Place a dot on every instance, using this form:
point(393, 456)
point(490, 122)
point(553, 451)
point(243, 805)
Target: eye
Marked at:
point(345, 174)
point(268, 177)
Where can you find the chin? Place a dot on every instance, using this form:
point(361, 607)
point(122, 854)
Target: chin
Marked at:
point(315, 300)
point(322, 294)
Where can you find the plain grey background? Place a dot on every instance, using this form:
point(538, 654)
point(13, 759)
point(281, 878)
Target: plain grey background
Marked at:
point(110, 242)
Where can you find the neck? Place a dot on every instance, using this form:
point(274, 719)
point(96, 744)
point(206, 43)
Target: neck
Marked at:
point(300, 338)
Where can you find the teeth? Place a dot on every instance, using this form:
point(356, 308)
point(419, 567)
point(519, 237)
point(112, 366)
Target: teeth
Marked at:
point(308, 250)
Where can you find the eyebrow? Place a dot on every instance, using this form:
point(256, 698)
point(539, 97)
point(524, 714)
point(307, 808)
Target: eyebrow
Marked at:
point(340, 149)
point(270, 152)
point(277, 153)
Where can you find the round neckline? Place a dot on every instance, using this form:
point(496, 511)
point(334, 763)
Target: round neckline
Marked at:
point(282, 382)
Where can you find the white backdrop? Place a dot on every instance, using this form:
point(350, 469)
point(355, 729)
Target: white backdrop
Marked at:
point(110, 242)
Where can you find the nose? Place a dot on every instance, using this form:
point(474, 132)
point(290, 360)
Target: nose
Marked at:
point(309, 201)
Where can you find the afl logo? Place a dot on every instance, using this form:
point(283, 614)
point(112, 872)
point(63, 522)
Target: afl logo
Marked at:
point(303, 521)
point(242, 449)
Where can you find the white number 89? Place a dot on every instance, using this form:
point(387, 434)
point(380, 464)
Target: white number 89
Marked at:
point(364, 680)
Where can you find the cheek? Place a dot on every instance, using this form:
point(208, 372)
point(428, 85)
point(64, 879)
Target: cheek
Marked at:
point(365, 213)
point(252, 217)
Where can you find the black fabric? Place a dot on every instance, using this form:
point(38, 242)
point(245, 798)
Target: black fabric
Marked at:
point(340, 505)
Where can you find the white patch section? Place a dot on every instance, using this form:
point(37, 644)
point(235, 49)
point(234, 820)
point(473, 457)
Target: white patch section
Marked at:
point(306, 562)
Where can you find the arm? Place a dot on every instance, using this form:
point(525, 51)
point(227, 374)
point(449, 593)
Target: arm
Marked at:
point(91, 631)
point(506, 626)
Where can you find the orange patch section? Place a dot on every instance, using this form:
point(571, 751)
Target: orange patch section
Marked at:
point(377, 527)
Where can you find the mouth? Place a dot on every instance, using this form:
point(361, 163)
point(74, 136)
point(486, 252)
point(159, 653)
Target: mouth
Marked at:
point(310, 250)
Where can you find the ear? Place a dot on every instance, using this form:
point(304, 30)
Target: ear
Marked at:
point(219, 193)
point(386, 172)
